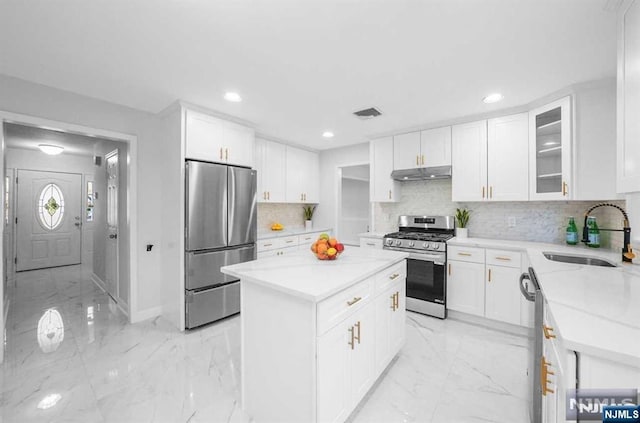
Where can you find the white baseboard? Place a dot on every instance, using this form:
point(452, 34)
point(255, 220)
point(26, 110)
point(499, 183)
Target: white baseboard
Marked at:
point(150, 313)
point(99, 282)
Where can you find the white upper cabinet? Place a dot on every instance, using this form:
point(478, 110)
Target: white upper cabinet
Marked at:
point(406, 151)
point(271, 166)
point(435, 147)
point(302, 176)
point(212, 139)
point(382, 188)
point(550, 151)
point(469, 161)
point(508, 158)
point(428, 148)
point(628, 139)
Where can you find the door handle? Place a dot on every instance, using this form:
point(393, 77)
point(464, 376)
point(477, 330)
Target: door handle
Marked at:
point(78, 224)
point(113, 236)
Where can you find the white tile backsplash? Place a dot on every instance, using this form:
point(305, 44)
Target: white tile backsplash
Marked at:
point(289, 215)
point(535, 220)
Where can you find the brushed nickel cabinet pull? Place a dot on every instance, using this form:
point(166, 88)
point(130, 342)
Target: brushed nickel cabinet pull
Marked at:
point(449, 269)
point(423, 159)
point(491, 192)
point(464, 254)
point(268, 195)
point(483, 191)
point(220, 153)
point(355, 300)
point(389, 194)
point(268, 245)
point(226, 154)
point(417, 160)
point(357, 337)
point(489, 275)
point(503, 258)
point(394, 276)
point(393, 302)
point(547, 330)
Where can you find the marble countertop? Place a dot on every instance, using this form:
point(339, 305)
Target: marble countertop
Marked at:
point(377, 235)
point(290, 232)
point(596, 309)
point(302, 275)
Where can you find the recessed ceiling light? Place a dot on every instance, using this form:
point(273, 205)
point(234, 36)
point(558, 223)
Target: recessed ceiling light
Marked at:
point(233, 97)
point(493, 98)
point(327, 134)
point(52, 150)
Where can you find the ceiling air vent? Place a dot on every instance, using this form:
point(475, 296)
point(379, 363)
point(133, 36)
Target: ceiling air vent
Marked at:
point(369, 113)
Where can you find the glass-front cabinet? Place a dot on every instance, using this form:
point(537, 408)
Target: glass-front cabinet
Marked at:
point(550, 151)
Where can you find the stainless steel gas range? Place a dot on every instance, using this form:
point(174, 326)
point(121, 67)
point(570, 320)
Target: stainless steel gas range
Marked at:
point(425, 239)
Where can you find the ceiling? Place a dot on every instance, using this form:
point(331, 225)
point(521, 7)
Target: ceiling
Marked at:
point(304, 66)
point(28, 138)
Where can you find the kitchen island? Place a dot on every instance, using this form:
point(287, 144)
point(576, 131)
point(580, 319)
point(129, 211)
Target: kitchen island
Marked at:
point(317, 334)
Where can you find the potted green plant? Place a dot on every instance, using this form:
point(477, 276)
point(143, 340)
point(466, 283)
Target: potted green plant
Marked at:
point(308, 215)
point(462, 218)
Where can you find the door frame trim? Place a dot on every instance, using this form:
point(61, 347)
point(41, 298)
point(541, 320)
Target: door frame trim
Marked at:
point(338, 194)
point(131, 218)
point(106, 159)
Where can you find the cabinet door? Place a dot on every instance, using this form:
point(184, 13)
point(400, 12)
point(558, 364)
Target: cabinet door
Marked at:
point(469, 161)
point(363, 353)
point(503, 294)
point(295, 174)
point(238, 144)
point(406, 151)
point(508, 158)
point(334, 374)
point(204, 137)
point(260, 147)
point(465, 287)
point(550, 151)
point(398, 318)
point(383, 308)
point(383, 189)
point(435, 147)
point(311, 185)
point(274, 172)
point(628, 141)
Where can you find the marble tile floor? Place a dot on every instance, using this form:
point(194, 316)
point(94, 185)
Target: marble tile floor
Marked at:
point(70, 355)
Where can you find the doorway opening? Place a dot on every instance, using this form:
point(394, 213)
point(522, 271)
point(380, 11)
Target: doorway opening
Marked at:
point(63, 209)
point(354, 209)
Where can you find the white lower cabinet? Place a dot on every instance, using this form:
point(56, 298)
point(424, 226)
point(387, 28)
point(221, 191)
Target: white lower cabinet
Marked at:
point(390, 323)
point(484, 283)
point(345, 365)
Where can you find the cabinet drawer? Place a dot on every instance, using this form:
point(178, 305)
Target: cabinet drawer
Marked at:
point(469, 254)
point(274, 243)
point(338, 307)
point(305, 240)
point(371, 243)
point(388, 276)
point(504, 258)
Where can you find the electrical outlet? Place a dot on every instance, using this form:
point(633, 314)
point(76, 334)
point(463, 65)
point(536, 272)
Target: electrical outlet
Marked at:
point(511, 222)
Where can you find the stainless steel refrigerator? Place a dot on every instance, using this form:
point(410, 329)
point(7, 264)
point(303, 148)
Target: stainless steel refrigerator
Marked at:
point(220, 230)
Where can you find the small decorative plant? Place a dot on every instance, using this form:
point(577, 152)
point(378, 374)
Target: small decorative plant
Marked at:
point(462, 217)
point(308, 212)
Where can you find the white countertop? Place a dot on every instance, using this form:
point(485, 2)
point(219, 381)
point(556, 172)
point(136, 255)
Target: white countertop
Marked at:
point(290, 232)
point(596, 309)
point(302, 275)
point(376, 235)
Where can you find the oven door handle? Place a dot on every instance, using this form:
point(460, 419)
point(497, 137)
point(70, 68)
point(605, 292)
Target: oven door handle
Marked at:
point(524, 291)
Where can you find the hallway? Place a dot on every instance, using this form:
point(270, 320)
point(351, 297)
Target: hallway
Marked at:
point(104, 369)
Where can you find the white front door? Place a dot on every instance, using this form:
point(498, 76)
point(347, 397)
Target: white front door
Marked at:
point(112, 224)
point(48, 219)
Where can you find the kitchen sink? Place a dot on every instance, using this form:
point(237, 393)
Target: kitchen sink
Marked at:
point(590, 261)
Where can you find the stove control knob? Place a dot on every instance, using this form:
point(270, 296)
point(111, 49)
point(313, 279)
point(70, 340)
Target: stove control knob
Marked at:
point(425, 245)
point(389, 241)
point(398, 242)
point(437, 246)
point(411, 243)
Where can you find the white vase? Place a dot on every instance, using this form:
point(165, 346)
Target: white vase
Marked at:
point(308, 225)
point(462, 232)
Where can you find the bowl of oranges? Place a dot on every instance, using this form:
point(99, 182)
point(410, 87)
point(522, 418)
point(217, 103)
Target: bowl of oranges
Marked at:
point(326, 247)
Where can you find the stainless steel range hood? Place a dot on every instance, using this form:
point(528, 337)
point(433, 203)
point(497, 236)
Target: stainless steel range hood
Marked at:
point(422, 173)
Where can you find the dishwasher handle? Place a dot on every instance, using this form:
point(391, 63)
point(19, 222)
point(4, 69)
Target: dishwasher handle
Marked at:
point(525, 292)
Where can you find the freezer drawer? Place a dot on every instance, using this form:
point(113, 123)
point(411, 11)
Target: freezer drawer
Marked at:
point(213, 304)
point(203, 268)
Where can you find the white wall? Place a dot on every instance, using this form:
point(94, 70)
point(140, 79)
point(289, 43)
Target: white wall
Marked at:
point(23, 97)
point(330, 161)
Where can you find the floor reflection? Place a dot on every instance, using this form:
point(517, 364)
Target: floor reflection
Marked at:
point(50, 331)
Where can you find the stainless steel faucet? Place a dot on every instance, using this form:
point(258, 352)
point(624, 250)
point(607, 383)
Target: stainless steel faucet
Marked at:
point(627, 251)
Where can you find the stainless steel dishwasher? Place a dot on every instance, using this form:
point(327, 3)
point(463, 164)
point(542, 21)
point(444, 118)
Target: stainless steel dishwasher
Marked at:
point(530, 289)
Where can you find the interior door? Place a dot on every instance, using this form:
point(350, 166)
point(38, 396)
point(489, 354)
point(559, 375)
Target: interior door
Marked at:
point(48, 222)
point(111, 261)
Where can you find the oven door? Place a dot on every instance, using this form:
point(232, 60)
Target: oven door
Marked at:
point(426, 277)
